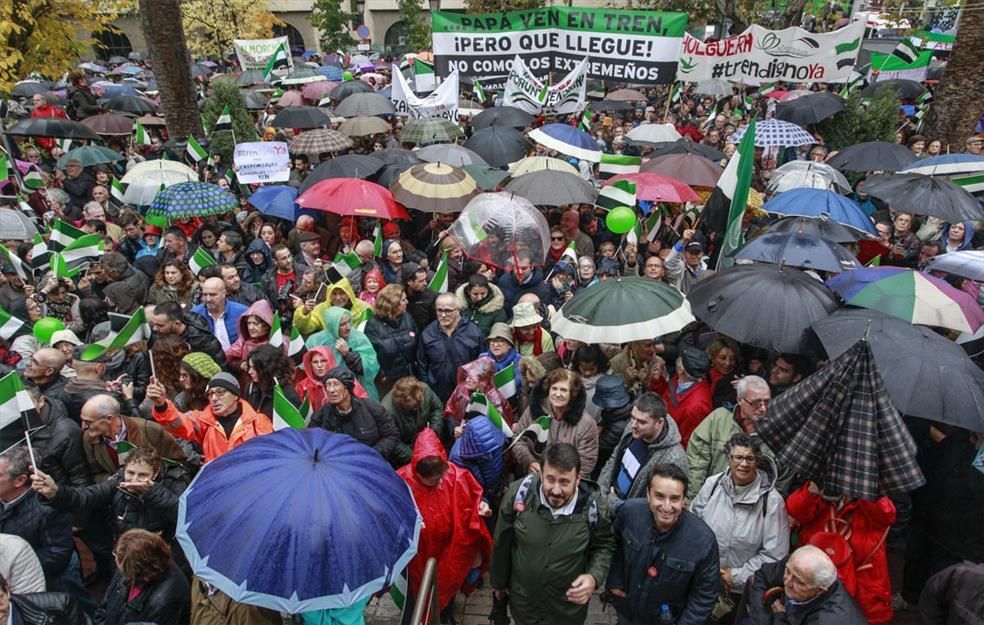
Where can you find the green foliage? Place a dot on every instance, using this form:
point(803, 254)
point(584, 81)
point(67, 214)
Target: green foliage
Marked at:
point(333, 23)
point(242, 122)
point(858, 123)
point(501, 6)
point(416, 28)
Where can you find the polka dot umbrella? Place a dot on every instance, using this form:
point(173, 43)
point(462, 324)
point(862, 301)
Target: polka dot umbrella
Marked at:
point(192, 199)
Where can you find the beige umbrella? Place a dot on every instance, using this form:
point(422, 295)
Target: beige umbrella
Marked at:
point(626, 95)
point(532, 164)
point(363, 126)
point(435, 188)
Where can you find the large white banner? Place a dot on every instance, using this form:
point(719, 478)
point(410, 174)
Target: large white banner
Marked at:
point(256, 53)
point(759, 55)
point(442, 102)
point(262, 161)
point(525, 91)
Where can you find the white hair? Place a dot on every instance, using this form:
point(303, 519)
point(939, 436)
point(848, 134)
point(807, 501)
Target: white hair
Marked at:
point(823, 571)
point(751, 382)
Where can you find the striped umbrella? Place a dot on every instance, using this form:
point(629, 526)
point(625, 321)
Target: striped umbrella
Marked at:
point(775, 132)
point(192, 199)
point(910, 295)
point(532, 164)
point(434, 188)
point(428, 130)
point(567, 140)
point(319, 141)
point(964, 170)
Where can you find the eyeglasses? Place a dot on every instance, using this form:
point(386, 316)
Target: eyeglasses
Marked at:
point(556, 238)
point(446, 311)
point(744, 459)
point(757, 404)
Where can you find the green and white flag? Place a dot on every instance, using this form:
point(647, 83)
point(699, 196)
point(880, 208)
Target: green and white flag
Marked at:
point(439, 283)
point(505, 381)
point(324, 101)
point(140, 134)
point(618, 193)
point(84, 248)
point(479, 92)
point(200, 260)
point(423, 76)
point(285, 414)
point(907, 51)
point(195, 150)
point(17, 412)
point(570, 254)
point(123, 330)
point(653, 222)
point(123, 449)
point(276, 338)
point(676, 92)
point(224, 122)
point(733, 187)
point(480, 403)
point(585, 122)
point(33, 181)
point(278, 60)
point(40, 256)
point(9, 324)
point(64, 144)
point(343, 265)
point(116, 190)
point(377, 240)
point(296, 346)
point(886, 66)
point(25, 272)
point(538, 430)
point(4, 167)
point(617, 164)
point(972, 183)
point(766, 89)
point(60, 267)
point(63, 234)
point(359, 321)
point(853, 83)
point(398, 591)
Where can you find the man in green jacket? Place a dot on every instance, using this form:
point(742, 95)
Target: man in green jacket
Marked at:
point(553, 544)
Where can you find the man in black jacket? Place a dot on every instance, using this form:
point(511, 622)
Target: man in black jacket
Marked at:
point(665, 556)
point(44, 369)
point(801, 589)
point(420, 299)
point(363, 419)
point(169, 318)
point(58, 445)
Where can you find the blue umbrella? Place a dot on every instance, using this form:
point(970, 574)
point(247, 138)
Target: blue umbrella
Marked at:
point(817, 202)
point(331, 72)
point(192, 199)
point(297, 521)
point(132, 70)
point(278, 201)
point(307, 54)
point(567, 140)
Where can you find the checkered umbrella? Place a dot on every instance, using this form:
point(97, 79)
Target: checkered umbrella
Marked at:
point(775, 132)
point(839, 428)
point(319, 141)
point(428, 130)
point(192, 199)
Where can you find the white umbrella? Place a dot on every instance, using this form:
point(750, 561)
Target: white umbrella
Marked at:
point(145, 179)
point(714, 87)
point(810, 175)
point(654, 133)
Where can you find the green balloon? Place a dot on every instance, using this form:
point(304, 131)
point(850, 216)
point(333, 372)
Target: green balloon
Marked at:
point(620, 220)
point(347, 75)
point(45, 327)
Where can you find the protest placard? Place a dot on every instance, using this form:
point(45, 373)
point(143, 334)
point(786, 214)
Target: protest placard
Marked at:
point(262, 161)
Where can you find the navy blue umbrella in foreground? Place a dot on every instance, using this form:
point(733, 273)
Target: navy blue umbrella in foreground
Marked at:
point(278, 201)
point(806, 251)
point(297, 521)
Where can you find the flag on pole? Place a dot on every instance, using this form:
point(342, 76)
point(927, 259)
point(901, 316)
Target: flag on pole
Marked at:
point(874, 262)
point(17, 412)
point(296, 346)
point(195, 150)
point(40, 256)
point(676, 92)
point(33, 181)
point(9, 324)
point(439, 283)
point(398, 591)
point(479, 92)
point(615, 164)
point(141, 136)
point(343, 265)
point(277, 61)
point(285, 414)
point(84, 248)
point(538, 430)
point(25, 272)
point(60, 268)
point(64, 144)
point(505, 381)
point(886, 66)
point(570, 254)
point(423, 75)
point(63, 234)
point(224, 122)
point(276, 338)
point(377, 240)
point(116, 190)
point(852, 83)
point(325, 100)
point(653, 222)
point(123, 330)
point(200, 260)
point(585, 122)
point(906, 50)
point(732, 192)
point(767, 88)
point(618, 193)
point(480, 403)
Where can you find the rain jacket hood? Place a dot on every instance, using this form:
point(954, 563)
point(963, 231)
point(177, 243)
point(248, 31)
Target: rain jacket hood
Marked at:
point(483, 370)
point(357, 341)
point(968, 236)
point(356, 305)
point(258, 245)
point(261, 309)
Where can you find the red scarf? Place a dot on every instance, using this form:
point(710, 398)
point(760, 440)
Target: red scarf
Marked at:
point(537, 340)
point(556, 255)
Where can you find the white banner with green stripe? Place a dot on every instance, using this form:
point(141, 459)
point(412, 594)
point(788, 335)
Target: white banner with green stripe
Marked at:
point(638, 47)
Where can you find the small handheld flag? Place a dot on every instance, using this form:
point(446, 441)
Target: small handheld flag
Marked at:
point(195, 150)
point(141, 136)
point(200, 260)
point(439, 283)
point(224, 122)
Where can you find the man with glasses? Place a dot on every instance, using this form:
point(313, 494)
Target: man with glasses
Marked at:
point(446, 344)
point(44, 369)
point(705, 451)
point(225, 423)
point(104, 428)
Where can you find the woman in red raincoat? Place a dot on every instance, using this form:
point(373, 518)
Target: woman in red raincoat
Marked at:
point(450, 501)
point(864, 525)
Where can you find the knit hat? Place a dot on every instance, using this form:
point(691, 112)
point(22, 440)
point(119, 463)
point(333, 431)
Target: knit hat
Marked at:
point(202, 364)
point(223, 380)
point(343, 375)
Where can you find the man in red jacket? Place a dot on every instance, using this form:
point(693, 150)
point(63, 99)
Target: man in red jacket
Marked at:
point(450, 501)
point(43, 108)
point(687, 394)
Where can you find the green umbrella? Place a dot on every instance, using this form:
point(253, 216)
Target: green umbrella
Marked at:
point(488, 178)
point(622, 310)
point(428, 130)
point(90, 155)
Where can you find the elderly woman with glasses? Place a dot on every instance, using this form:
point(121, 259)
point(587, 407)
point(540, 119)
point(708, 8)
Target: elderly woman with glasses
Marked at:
point(746, 514)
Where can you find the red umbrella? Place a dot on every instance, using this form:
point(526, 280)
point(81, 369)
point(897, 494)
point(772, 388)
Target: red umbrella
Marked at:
point(777, 94)
point(657, 188)
point(351, 196)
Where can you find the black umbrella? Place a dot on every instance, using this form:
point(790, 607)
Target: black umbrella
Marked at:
point(301, 117)
point(906, 89)
point(347, 88)
point(508, 116)
point(839, 428)
point(132, 104)
point(396, 156)
point(926, 375)
point(367, 104)
point(763, 305)
point(550, 187)
point(925, 195)
point(52, 127)
point(499, 146)
point(685, 146)
point(806, 251)
point(28, 88)
point(810, 109)
point(873, 156)
point(390, 173)
point(347, 166)
point(255, 100)
point(819, 226)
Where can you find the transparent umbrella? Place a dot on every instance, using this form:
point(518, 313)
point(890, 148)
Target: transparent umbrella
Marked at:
point(503, 230)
